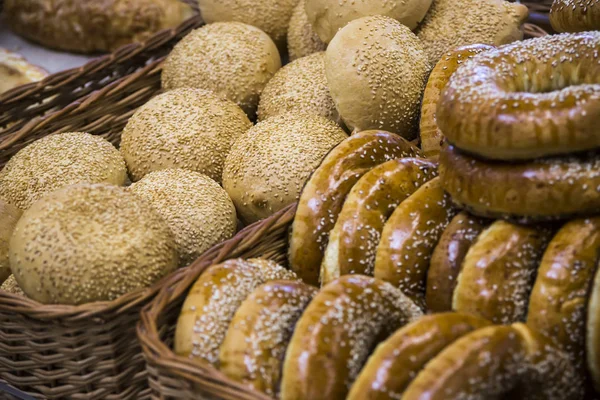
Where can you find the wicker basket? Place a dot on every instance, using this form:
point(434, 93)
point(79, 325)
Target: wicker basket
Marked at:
point(91, 351)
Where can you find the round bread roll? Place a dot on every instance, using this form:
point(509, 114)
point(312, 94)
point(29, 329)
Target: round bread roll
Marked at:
point(16, 71)
point(90, 26)
point(254, 347)
point(198, 211)
point(409, 237)
point(302, 39)
point(543, 189)
point(431, 136)
point(329, 16)
point(396, 361)
point(60, 160)
point(447, 260)
point(335, 334)
point(453, 23)
point(270, 16)
point(9, 215)
point(10, 285)
point(575, 15)
point(213, 300)
point(269, 164)
point(377, 69)
point(592, 331)
point(495, 108)
point(324, 194)
point(499, 270)
point(185, 128)
point(353, 240)
point(498, 362)
point(232, 59)
point(90, 242)
point(299, 87)
point(557, 306)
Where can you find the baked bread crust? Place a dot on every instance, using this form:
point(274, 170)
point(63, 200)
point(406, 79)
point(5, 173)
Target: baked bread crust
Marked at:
point(575, 15)
point(16, 71)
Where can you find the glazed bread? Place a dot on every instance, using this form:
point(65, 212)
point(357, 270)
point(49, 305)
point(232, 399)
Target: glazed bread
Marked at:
point(16, 71)
point(575, 15)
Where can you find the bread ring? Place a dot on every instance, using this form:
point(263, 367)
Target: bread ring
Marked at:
point(395, 362)
point(355, 236)
point(409, 237)
point(431, 136)
point(213, 300)
point(259, 333)
point(9, 215)
point(575, 15)
point(543, 189)
point(324, 194)
point(529, 99)
point(498, 362)
point(447, 260)
point(558, 301)
point(16, 71)
point(335, 334)
point(498, 272)
point(592, 337)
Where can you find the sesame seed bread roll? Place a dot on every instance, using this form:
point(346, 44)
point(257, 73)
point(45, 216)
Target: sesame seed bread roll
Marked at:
point(198, 211)
point(329, 16)
point(499, 270)
point(431, 136)
point(447, 260)
point(258, 336)
point(16, 71)
point(90, 242)
point(353, 241)
point(396, 361)
point(231, 59)
point(575, 15)
point(498, 362)
point(185, 128)
point(453, 23)
point(409, 237)
point(377, 70)
point(537, 190)
point(9, 215)
point(10, 285)
point(335, 334)
point(302, 40)
point(268, 165)
point(299, 87)
point(592, 330)
point(55, 161)
point(324, 193)
point(213, 300)
point(557, 306)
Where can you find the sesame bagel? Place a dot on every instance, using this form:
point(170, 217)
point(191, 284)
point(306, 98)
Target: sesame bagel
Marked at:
point(447, 260)
point(526, 100)
point(592, 331)
point(498, 272)
point(302, 39)
point(575, 15)
point(9, 215)
point(542, 189)
point(324, 193)
point(430, 135)
point(335, 334)
point(409, 237)
point(353, 241)
point(16, 71)
point(255, 344)
point(396, 361)
point(213, 300)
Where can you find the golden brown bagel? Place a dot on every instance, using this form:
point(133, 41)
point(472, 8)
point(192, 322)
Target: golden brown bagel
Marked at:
point(558, 301)
point(324, 193)
point(498, 272)
point(16, 71)
point(395, 362)
point(592, 338)
point(409, 237)
point(253, 349)
point(213, 300)
point(575, 15)
point(335, 334)
point(9, 215)
point(355, 236)
point(542, 189)
point(498, 362)
point(447, 259)
point(431, 136)
point(526, 100)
